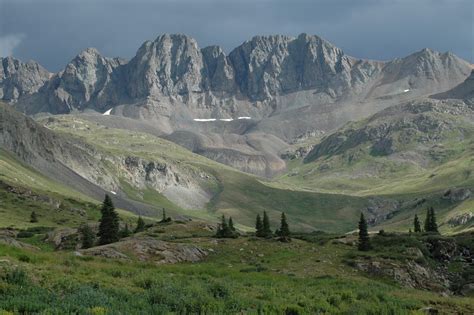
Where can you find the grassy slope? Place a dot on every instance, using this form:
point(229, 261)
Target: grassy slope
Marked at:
point(237, 194)
point(241, 275)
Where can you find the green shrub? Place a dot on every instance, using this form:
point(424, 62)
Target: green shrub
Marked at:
point(16, 276)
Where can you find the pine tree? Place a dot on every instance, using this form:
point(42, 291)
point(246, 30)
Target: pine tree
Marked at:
point(416, 224)
point(109, 223)
point(266, 232)
point(433, 224)
point(259, 227)
point(87, 236)
point(125, 232)
point(223, 228)
point(33, 217)
point(231, 225)
point(364, 240)
point(428, 220)
point(140, 225)
point(164, 215)
point(284, 228)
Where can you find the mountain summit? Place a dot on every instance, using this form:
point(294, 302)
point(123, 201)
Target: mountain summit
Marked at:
point(285, 87)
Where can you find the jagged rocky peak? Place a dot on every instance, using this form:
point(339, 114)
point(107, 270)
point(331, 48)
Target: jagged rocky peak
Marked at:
point(19, 78)
point(219, 71)
point(269, 65)
point(169, 65)
point(87, 77)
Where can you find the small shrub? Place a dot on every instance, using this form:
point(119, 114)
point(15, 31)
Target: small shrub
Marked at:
point(24, 258)
point(25, 234)
point(16, 276)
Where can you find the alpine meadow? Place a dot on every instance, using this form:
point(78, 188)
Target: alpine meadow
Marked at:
point(281, 175)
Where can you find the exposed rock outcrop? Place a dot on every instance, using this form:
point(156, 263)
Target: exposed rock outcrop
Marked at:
point(150, 250)
point(19, 79)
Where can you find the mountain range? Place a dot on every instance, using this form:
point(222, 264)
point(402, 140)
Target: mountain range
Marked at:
point(298, 124)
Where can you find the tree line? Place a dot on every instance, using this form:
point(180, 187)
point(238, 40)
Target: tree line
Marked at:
point(430, 226)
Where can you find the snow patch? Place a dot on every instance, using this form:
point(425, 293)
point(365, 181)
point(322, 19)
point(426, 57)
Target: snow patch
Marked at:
point(204, 119)
point(107, 113)
point(226, 119)
point(113, 192)
point(244, 117)
point(406, 90)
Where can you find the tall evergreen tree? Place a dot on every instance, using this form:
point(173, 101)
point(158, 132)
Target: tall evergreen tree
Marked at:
point(433, 226)
point(231, 225)
point(140, 225)
point(259, 226)
point(164, 215)
point(87, 236)
point(109, 223)
point(223, 228)
point(428, 220)
point(266, 232)
point(364, 240)
point(416, 224)
point(284, 228)
point(33, 217)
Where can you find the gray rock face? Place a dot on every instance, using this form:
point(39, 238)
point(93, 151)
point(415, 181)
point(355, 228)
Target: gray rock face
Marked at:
point(18, 79)
point(173, 70)
point(288, 85)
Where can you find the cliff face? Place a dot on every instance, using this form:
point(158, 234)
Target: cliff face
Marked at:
point(18, 79)
point(289, 86)
point(173, 70)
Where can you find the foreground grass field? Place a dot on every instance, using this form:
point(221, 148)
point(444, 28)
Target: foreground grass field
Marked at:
point(245, 275)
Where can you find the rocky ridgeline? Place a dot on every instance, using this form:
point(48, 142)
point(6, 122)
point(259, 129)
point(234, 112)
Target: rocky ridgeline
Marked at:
point(173, 70)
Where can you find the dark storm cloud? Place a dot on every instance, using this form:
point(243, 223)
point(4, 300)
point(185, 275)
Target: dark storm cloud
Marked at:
point(53, 32)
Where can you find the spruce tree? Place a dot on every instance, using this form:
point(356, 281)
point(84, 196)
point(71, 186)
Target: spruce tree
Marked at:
point(284, 228)
point(259, 227)
point(140, 225)
point(428, 220)
point(109, 223)
point(164, 216)
point(231, 225)
point(416, 224)
point(33, 217)
point(266, 232)
point(364, 240)
point(223, 228)
point(87, 236)
point(125, 232)
point(433, 224)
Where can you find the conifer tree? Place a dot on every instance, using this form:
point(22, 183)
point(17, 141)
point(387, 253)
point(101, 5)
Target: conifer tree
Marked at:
point(364, 240)
point(164, 216)
point(284, 228)
point(125, 232)
point(109, 223)
point(266, 232)
point(259, 227)
point(428, 220)
point(416, 224)
point(223, 228)
point(87, 236)
point(33, 217)
point(433, 224)
point(231, 225)
point(140, 225)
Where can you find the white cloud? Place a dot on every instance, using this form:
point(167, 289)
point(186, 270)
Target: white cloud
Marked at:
point(8, 43)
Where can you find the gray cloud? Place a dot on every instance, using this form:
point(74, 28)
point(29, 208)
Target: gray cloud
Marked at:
point(57, 30)
point(9, 42)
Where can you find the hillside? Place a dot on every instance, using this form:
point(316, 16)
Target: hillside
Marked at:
point(415, 151)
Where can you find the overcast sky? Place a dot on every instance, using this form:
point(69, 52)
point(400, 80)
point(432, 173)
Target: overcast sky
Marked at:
point(52, 32)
